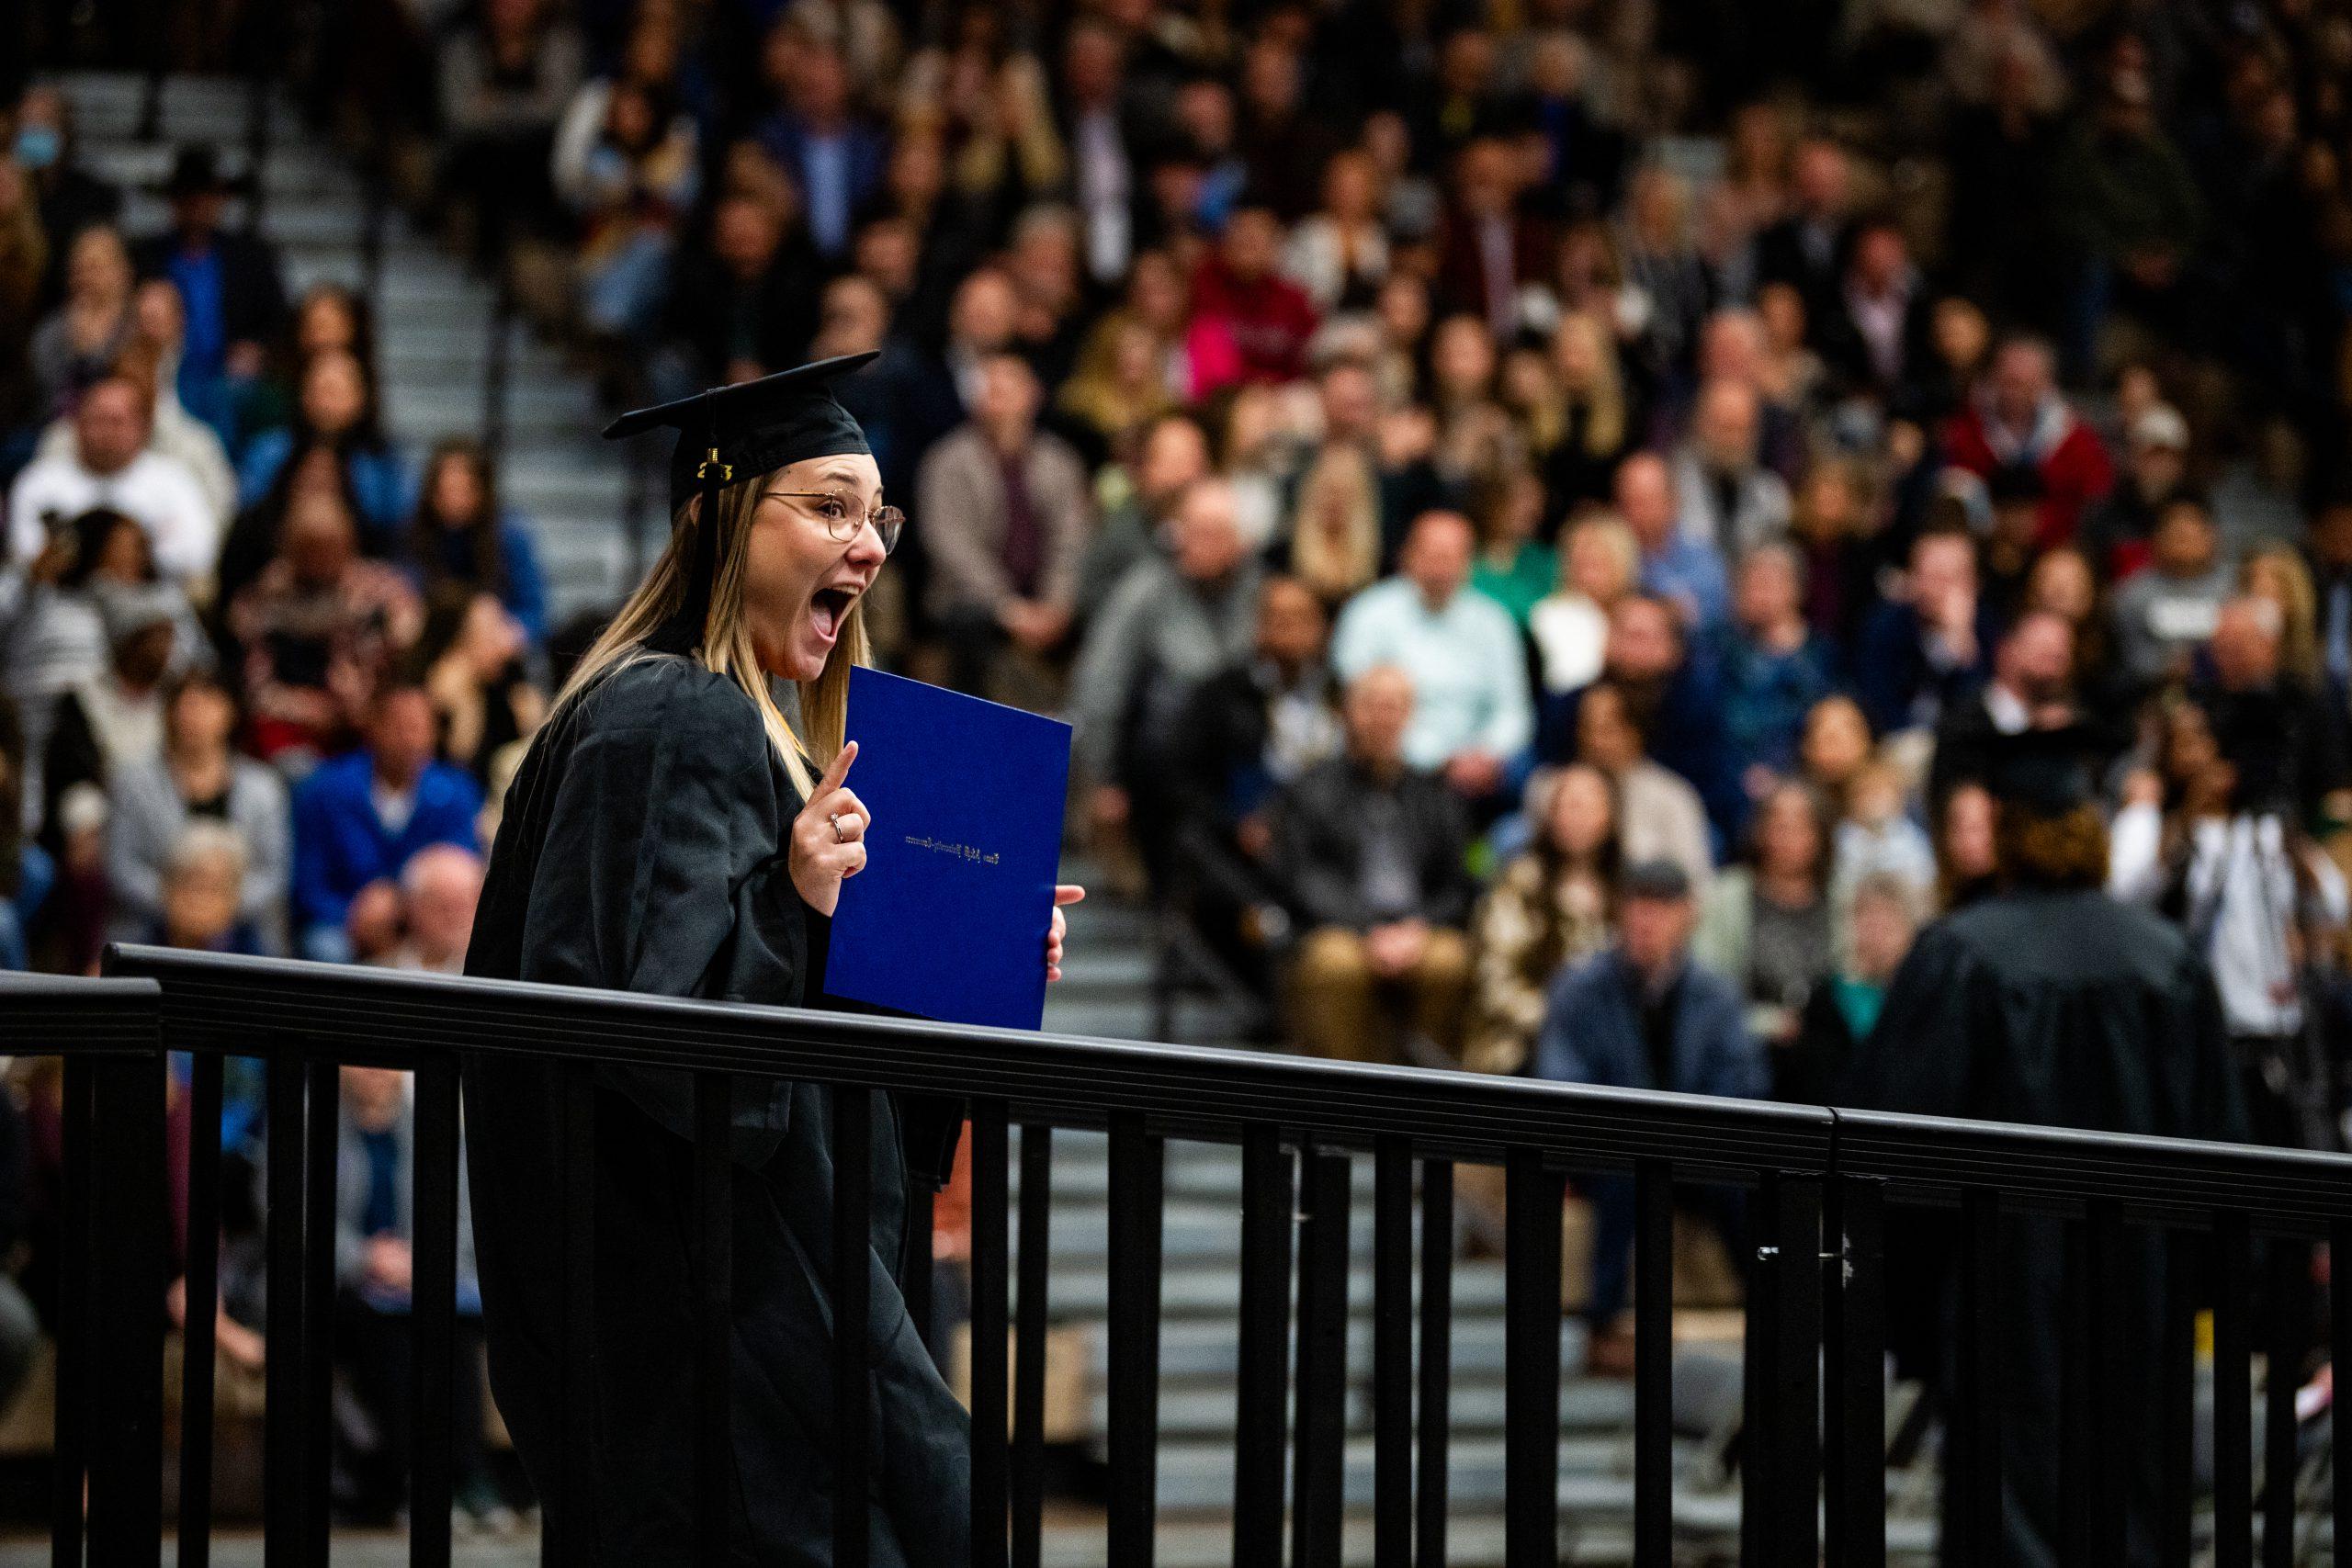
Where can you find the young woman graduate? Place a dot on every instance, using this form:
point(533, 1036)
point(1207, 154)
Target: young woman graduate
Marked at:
point(672, 831)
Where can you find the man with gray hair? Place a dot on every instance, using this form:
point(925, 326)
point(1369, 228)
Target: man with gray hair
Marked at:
point(439, 889)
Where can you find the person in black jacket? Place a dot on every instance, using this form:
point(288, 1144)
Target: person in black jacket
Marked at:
point(671, 833)
point(1249, 731)
point(1370, 851)
point(229, 282)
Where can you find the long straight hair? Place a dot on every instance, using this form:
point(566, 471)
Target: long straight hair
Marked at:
point(726, 646)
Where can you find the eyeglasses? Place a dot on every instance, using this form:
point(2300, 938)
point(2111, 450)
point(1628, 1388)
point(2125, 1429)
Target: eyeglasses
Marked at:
point(842, 518)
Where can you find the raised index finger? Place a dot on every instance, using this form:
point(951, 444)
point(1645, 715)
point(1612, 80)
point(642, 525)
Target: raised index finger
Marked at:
point(836, 771)
point(1067, 893)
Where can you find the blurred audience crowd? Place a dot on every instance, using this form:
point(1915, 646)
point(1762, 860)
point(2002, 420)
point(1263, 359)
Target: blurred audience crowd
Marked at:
point(1542, 512)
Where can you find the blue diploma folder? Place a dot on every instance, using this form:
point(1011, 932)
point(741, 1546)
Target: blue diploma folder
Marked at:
point(948, 919)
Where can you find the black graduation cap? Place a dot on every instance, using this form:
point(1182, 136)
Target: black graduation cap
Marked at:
point(739, 431)
point(2047, 772)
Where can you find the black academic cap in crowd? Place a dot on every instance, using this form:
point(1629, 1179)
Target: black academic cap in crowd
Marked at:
point(738, 433)
point(2046, 771)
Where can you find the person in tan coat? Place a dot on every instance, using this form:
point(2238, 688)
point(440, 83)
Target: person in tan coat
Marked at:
point(1003, 513)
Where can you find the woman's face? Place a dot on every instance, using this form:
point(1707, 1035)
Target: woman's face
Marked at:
point(457, 492)
point(1837, 740)
point(1577, 352)
point(2062, 585)
point(1581, 816)
point(1788, 839)
point(1404, 309)
point(1595, 570)
point(1781, 310)
point(1350, 186)
point(1463, 359)
point(333, 397)
point(100, 267)
point(1605, 737)
point(2266, 579)
point(1157, 294)
point(201, 719)
point(1968, 832)
point(1829, 509)
point(326, 325)
point(1882, 933)
point(799, 582)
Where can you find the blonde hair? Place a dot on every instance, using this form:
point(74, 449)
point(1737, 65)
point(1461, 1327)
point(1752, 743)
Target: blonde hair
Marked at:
point(1335, 568)
point(2298, 623)
point(725, 641)
point(1604, 432)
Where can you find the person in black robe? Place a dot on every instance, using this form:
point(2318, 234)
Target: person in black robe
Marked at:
point(2050, 1003)
point(663, 835)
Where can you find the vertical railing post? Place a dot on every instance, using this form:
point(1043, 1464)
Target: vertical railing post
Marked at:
point(1261, 1381)
point(1854, 1330)
point(1136, 1177)
point(2339, 1313)
point(129, 1206)
point(1781, 1466)
point(569, 1531)
point(433, 1301)
point(2233, 1391)
point(287, 1462)
point(2177, 1424)
point(991, 1285)
point(76, 1111)
point(714, 1255)
point(1531, 1198)
point(2289, 1276)
point(202, 1309)
point(1972, 1470)
point(1434, 1424)
point(1653, 1363)
point(1317, 1464)
point(1029, 1369)
point(323, 1130)
point(853, 1307)
point(1392, 1354)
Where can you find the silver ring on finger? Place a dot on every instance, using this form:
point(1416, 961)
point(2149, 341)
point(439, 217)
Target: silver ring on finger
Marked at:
point(835, 818)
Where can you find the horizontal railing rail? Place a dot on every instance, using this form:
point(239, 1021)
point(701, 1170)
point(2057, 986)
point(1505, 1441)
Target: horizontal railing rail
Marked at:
point(1820, 1183)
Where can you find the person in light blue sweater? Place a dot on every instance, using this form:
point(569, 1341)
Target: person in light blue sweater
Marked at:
point(1473, 720)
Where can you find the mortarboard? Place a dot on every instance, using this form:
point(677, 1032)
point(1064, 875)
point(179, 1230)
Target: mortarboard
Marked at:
point(2046, 771)
point(743, 430)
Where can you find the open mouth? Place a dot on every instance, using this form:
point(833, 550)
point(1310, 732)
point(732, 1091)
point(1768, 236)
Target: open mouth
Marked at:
point(828, 608)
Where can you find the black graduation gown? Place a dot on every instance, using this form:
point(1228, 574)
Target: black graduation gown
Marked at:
point(2061, 1008)
point(641, 850)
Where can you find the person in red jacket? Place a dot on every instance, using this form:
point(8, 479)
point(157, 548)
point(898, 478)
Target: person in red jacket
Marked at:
point(2019, 419)
point(1238, 293)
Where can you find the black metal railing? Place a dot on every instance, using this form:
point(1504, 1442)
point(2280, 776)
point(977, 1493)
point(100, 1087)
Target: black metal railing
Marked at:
point(1821, 1185)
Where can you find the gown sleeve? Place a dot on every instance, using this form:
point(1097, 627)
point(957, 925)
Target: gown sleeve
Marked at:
point(662, 873)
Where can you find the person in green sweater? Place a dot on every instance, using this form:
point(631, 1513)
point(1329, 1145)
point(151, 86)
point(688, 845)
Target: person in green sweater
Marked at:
point(1514, 566)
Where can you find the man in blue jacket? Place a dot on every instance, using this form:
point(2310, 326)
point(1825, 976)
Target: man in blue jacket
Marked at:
point(1639, 1014)
point(358, 818)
